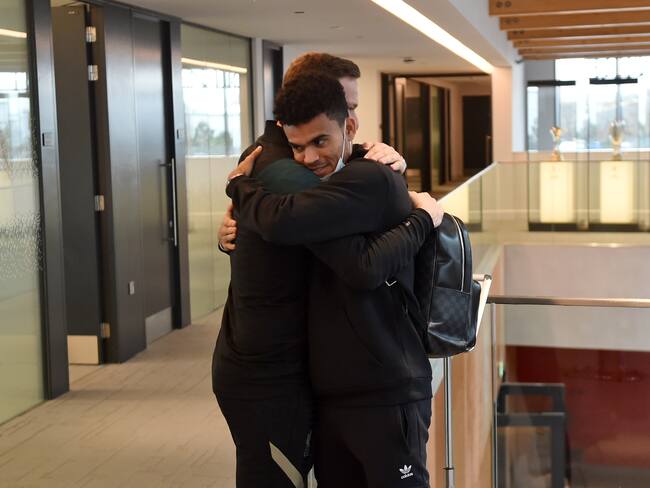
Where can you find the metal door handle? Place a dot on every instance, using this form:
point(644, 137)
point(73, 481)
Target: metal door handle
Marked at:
point(174, 206)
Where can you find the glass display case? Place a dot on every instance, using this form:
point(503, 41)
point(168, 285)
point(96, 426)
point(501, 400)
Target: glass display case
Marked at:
point(555, 178)
point(614, 142)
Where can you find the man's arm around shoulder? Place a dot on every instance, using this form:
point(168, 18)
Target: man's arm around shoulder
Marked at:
point(352, 201)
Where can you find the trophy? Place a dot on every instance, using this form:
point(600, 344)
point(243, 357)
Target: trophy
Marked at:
point(556, 134)
point(616, 131)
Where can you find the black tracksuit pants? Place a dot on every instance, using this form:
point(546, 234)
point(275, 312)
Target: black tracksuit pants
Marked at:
point(372, 447)
point(272, 438)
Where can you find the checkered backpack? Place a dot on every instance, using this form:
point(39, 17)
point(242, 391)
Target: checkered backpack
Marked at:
point(447, 295)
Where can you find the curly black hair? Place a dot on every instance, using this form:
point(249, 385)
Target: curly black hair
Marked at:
point(308, 95)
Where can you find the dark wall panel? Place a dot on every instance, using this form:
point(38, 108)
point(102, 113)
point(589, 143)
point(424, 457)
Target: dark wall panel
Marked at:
point(477, 131)
point(154, 190)
point(53, 284)
point(183, 314)
point(119, 173)
point(76, 162)
point(416, 131)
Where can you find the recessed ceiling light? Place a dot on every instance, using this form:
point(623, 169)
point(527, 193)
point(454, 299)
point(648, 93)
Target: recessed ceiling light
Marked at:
point(209, 64)
point(433, 31)
point(13, 33)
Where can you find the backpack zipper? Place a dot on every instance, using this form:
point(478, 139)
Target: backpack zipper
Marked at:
point(462, 248)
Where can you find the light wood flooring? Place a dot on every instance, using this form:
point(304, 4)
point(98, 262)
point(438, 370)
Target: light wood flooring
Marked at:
point(150, 422)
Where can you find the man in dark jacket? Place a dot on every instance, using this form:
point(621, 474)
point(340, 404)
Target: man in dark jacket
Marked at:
point(368, 367)
point(260, 366)
point(260, 372)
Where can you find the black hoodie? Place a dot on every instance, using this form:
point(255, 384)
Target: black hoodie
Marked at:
point(363, 347)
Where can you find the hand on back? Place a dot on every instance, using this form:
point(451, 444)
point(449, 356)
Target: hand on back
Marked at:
point(228, 231)
point(426, 202)
point(384, 154)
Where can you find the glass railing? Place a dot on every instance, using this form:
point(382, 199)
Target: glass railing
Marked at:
point(553, 202)
point(600, 196)
point(572, 393)
point(557, 391)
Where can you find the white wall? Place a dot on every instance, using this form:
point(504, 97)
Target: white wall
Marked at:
point(258, 87)
point(477, 13)
point(502, 114)
point(518, 107)
point(578, 272)
point(369, 110)
point(289, 53)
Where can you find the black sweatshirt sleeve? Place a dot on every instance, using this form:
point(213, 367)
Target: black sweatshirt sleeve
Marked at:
point(351, 202)
point(366, 262)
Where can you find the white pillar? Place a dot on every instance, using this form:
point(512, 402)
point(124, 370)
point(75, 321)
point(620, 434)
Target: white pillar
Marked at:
point(258, 87)
point(502, 114)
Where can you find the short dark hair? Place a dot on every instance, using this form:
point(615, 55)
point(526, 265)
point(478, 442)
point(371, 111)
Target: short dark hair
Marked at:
point(322, 63)
point(308, 95)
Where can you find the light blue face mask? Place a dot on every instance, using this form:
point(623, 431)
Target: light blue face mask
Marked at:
point(340, 164)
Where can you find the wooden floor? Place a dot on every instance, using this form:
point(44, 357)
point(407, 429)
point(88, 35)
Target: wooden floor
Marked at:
point(150, 422)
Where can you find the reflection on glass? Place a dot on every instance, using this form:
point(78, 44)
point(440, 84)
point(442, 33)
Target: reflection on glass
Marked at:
point(216, 69)
point(21, 375)
point(597, 358)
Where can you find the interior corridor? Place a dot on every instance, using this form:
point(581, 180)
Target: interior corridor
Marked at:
point(150, 422)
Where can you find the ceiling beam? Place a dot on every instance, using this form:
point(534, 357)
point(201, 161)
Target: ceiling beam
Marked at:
point(525, 7)
point(584, 49)
point(612, 54)
point(581, 41)
point(595, 19)
point(578, 32)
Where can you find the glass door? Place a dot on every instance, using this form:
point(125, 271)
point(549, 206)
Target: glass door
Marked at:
point(21, 363)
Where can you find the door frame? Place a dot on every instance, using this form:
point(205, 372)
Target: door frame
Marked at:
point(123, 313)
point(118, 161)
point(45, 147)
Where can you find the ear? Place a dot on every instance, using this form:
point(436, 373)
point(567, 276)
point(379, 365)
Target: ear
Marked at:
point(351, 127)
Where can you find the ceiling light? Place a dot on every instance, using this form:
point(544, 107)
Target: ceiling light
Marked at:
point(11, 33)
point(426, 26)
point(208, 64)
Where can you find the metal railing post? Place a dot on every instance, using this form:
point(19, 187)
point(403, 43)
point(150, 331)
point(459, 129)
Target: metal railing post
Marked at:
point(449, 442)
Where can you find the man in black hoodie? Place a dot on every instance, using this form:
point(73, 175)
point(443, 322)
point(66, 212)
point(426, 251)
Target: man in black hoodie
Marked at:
point(260, 373)
point(368, 367)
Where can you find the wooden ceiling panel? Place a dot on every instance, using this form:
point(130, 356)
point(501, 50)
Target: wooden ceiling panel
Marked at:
point(525, 7)
point(554, 29)
point(579, 32)
point(581, 41)
point(584, 49)
point(596, 54)
point(595, 19)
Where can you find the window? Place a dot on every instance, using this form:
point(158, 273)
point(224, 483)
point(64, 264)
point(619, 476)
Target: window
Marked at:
point(21, 367)
point(216, 93)
point(597, 106)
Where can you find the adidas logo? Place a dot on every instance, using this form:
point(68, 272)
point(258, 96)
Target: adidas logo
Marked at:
point(406, 472)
